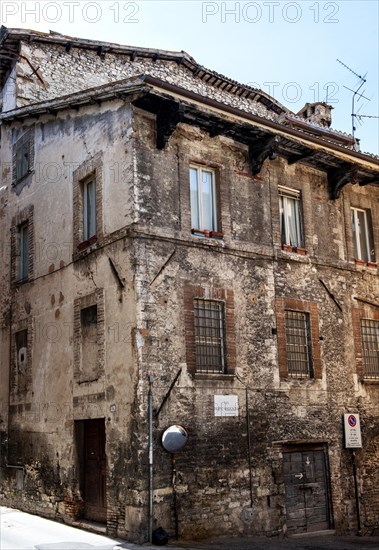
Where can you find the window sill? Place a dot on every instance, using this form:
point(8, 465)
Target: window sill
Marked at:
point(296, 249)
point(21, 179)
point(374, 380)
point(362, 263)
point(213, 376)
point(207, 233)
point(85, 244)
point(19, 282)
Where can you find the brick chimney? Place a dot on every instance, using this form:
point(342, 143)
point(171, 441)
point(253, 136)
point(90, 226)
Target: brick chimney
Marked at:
point(319, 113)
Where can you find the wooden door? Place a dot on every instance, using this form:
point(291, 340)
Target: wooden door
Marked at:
point(306, 490)
point(95, 470)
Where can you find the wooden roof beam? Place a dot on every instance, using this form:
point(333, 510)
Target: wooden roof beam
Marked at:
point(260, 150)
point(293, 159)
point(339, 177)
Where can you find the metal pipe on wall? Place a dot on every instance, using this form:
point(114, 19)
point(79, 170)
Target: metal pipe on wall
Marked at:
point(150, 422)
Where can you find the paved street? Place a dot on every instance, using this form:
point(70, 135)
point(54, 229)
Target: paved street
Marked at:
point(21, 531)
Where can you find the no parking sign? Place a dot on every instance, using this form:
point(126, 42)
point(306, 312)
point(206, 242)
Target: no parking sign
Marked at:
point(353, 439)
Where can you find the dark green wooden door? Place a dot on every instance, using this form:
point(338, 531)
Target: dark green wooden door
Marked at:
point(305, 478)
point(95, 470)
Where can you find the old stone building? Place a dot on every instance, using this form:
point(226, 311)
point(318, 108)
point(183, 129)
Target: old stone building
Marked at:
point(181, 249)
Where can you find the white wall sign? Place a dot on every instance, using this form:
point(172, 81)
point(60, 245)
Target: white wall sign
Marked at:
point(226, 405)
point(352, 425)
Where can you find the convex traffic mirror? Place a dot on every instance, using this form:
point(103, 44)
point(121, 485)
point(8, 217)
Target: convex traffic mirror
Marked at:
point(174, 439)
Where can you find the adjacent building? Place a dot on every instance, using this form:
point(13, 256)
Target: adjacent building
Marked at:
point(181, 249)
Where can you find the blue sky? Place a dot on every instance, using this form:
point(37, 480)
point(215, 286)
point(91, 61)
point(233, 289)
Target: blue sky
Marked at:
point(288, 49)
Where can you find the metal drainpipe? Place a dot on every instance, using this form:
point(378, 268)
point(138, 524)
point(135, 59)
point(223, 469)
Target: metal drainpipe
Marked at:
point(150, 415)
point(248, 439)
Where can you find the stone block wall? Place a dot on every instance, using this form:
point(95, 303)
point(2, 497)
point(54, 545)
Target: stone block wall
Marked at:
point(224, 485)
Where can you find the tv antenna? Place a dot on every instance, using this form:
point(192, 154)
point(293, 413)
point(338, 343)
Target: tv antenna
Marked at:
point(361, 81)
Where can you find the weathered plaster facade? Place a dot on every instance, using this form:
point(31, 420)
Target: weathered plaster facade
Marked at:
point(104, 313)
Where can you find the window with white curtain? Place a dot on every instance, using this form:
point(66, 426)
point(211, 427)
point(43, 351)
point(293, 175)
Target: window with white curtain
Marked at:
point(362, 235)
point(290, 217)
point(203, 199)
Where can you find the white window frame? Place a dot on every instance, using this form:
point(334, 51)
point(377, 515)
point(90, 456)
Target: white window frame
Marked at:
point(89, 214)
point(285, 195)
point(368, 237)
point(200, 207)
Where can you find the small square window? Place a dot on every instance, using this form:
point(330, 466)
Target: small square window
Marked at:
point(291, 230)
point(203, 199)
point(88, 316)
point(210, 336)
point(362, 235)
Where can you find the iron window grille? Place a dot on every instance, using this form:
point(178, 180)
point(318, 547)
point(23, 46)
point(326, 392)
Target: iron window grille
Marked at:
point(298, 344)
point(291, 230)
point(370, 346)
point(210, 336)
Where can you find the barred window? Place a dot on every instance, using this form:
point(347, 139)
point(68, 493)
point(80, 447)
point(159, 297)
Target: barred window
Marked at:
point(298, 344)
point(210, 336)
point(370, 346)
